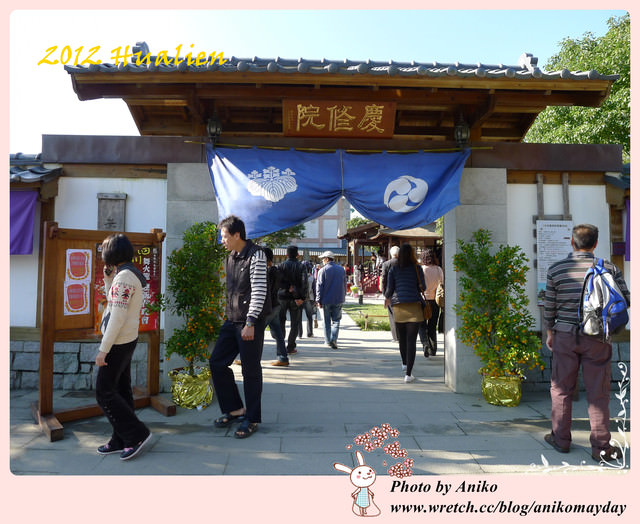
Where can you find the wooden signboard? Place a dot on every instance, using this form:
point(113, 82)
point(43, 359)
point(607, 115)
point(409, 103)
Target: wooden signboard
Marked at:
point(71, 287)
point(313, 118)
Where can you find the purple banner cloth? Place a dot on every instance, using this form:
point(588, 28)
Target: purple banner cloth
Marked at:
point(23, 205)
point(627, 237)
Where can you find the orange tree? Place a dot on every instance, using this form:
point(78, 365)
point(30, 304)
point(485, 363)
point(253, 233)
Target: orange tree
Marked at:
point(196, 292)
point(496, 321)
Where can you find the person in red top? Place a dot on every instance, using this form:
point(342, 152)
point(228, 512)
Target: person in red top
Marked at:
point(433, 275)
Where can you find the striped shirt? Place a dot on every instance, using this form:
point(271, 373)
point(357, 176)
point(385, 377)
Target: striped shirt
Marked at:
point(258, 279)
point(564, 287)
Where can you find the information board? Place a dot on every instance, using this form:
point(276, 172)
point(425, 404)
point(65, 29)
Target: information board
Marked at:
point(554, 243)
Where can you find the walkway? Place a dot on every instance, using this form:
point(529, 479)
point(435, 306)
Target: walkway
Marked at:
point(312, 411)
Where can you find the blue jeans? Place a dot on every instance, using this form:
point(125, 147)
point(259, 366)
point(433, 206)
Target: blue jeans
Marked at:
point(273, 321)
point(332, 314)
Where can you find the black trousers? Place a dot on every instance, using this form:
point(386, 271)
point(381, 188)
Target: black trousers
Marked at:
point(407, 336)
point(228, 346)
point(115, 397)
point(295, 316)
point(429, 328)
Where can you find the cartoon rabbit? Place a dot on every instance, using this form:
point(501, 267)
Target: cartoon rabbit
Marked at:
point(361, 477)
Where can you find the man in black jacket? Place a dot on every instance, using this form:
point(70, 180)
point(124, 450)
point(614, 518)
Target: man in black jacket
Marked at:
point(273, 319)
point(386, 266)
point(243, 330)
point(291, 295)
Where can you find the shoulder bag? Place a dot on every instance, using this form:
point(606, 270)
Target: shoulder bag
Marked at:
point(426, 308)
point(440, 294)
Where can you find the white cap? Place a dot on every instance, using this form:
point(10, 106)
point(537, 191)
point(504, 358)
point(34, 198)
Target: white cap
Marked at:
point(328, 254)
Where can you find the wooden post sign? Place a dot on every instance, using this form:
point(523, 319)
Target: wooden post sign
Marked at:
point(72, 304)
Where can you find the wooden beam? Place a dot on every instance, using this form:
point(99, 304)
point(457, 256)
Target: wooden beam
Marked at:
point(555, 177)
point(450, 82)
point(94, 410)
point(116, 171)
point(49, 424)
point(566, 208)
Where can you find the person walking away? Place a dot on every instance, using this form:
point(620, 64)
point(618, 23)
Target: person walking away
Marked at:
point(403, 293)
point(242, 333)
point(433, 276)
point(572, 349)
point(123, 284)
point(309, 304)
point(383, 284)
point(272, 321)
point(291, 295)
point(331, 290)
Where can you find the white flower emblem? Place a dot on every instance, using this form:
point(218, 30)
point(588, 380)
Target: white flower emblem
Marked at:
point(272, 184)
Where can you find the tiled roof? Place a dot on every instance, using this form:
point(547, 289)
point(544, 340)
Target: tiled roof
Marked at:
point(29, 168)
point(621, 180)
point(527, 68)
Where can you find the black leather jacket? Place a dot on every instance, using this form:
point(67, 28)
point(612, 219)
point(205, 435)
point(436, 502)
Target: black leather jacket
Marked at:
point(293, 274)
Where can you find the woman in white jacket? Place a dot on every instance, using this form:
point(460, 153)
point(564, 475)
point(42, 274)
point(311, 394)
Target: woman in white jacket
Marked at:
point(123, 284)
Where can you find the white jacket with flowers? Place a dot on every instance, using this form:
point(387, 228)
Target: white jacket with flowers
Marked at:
point(121, 318)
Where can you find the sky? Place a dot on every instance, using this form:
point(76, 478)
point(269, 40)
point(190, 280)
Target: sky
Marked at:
point(42, 100)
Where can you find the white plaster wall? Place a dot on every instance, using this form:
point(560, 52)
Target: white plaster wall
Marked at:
point(76, 207)
point(77, 202)
point(587, 204)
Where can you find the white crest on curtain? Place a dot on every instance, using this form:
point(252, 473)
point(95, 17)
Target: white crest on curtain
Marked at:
point(405, 193)
point(272, 184)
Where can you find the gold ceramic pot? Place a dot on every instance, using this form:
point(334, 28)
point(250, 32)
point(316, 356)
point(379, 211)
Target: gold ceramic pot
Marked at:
point(502, 391)
point(191, 391)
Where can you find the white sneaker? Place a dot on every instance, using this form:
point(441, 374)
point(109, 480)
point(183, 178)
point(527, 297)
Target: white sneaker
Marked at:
point(404, 367)
point(409, 378)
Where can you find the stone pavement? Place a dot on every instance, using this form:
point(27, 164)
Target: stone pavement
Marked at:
point(312, 411)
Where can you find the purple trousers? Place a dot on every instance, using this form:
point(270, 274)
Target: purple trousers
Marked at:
point(570, 351)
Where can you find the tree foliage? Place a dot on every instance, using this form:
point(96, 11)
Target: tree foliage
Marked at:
point(493, 306)
point(282, 237)
point(195, 292)
point(357, 221)
point(608, 124)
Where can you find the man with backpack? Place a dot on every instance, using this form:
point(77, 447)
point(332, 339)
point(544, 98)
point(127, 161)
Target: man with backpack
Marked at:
point(572, 348)
point(291, 295)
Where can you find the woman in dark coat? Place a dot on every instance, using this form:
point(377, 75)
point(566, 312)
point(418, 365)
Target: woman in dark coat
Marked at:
point(403, 292)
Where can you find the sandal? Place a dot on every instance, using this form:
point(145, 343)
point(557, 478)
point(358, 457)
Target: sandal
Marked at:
point(246, 429)
point(226, 420)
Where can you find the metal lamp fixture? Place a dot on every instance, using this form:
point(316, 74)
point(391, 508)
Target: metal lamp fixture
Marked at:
point(461, 132)
point(214, 128)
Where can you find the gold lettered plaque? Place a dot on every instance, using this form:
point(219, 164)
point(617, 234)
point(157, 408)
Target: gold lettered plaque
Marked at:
point(313, 118)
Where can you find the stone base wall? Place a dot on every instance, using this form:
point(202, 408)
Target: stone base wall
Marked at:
point(620, 365)
point(73, 365)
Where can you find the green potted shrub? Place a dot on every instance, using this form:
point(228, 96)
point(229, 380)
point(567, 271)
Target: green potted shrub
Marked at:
point(495, 319)
point(195, 292)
